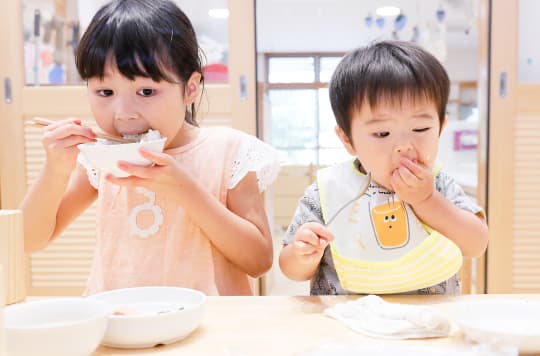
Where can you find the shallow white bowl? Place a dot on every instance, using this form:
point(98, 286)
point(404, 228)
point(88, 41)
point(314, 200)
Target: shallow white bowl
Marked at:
point(161, 315)
point(511, 322)
point(105, 157)
point(55, 327)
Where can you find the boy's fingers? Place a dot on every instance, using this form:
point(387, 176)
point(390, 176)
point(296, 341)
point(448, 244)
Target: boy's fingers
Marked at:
point(304, 248)
point(320, 230)
point(307, 236)
point(407, 176)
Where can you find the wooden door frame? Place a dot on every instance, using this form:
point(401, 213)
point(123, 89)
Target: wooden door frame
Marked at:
point(502, 110)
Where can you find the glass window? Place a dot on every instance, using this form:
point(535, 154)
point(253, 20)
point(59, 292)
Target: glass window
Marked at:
point(52, 29)
point(302, 121)
point(328, 66)
point(291, 70)
point(293, 115)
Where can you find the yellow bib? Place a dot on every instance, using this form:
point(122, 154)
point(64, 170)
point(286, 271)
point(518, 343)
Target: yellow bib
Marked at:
point(380, 246)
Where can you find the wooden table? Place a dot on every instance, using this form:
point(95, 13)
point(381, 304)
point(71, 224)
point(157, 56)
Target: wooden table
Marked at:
point(242, 326)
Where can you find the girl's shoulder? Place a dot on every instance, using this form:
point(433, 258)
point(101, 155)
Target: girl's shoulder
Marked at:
point(250, 155)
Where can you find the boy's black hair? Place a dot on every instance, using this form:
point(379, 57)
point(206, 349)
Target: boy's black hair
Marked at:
point(145, 38)
point(386, 73)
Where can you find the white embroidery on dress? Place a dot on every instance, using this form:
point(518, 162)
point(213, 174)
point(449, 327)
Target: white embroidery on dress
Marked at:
point(150, 205)
point(255, 156)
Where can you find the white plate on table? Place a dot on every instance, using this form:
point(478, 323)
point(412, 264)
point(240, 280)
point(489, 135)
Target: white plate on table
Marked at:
point(512, 322)
point(149, 316)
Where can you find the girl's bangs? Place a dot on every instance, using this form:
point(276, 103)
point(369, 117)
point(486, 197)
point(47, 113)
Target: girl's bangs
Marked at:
point(136, 52)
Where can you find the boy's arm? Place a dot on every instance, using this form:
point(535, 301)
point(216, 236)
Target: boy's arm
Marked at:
point(300, 259)
point(441, 204)
point(52, 203)
point(305, 238)
point(467, 230)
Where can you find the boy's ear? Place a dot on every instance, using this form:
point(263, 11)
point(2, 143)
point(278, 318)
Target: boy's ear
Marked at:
point(443, 124)
point(192, 88)
point(347, 143)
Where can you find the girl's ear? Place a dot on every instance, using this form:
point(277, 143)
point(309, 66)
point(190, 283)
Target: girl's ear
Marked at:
point(347, 143)
point(192, 88)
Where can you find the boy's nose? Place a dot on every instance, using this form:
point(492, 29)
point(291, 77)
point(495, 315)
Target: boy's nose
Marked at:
point(403, 148)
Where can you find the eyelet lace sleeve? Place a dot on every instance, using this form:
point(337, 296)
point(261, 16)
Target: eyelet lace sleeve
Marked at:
point(255, 156)
point(91, 172)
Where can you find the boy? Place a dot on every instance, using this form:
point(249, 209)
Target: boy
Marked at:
point(408, 232)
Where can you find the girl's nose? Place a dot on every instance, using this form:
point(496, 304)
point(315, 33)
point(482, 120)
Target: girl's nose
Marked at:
point(125, 110)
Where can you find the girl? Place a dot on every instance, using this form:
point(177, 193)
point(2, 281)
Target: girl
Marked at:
point(195, 217)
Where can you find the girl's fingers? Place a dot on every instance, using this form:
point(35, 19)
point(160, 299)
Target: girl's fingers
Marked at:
point(57, 124)
point(72, 141)
point(145, 172)
point(158, 158)
point(64, 131)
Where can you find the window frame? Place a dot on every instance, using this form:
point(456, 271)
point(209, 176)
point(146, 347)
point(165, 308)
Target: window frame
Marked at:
point(316, 85)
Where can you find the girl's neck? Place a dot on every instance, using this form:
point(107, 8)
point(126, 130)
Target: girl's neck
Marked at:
point(185, 135)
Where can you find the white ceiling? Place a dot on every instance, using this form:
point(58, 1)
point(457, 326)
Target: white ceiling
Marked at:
point(338, 25)
point(330, 25)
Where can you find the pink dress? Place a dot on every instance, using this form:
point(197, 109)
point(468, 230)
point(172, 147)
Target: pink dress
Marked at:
point(144, 238)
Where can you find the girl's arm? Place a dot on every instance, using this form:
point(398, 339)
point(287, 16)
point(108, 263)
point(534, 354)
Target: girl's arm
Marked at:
point(240, 231)
point(61, 191)
point(467, 230)
point(52, 203)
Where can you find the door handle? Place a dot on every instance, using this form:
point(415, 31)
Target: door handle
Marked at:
point(243, 87)
point(503, 84)
point(8, 98)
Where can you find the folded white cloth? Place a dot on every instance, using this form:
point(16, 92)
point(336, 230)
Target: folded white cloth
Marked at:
point(372, 316)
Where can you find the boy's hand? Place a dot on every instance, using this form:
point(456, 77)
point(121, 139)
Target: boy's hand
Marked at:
point(412, 182)
point(310, 241)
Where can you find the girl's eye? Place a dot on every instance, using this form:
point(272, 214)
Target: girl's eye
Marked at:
point(105, 92)
point(146, 92)
point(382, 134)
point(422, 129)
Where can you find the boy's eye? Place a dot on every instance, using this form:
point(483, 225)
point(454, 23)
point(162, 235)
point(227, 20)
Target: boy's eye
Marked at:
point(146, 92)
point(105, 92)
point(382, 134)
point(422, 129)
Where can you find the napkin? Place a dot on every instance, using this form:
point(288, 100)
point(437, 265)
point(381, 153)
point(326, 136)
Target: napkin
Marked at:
point(372, 316)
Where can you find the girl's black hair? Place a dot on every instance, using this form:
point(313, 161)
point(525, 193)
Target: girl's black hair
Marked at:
point(145, 38)
point(386, 73)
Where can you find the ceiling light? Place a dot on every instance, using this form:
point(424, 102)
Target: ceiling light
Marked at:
point(218, 13)
point(388, 11)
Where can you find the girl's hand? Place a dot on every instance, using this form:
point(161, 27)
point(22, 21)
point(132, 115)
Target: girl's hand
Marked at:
point(164, 171)
point(60, 141)
point(310, 241)
point(412, 182)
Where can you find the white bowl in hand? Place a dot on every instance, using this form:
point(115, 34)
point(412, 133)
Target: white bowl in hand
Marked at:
point(104, 155)
point(150, 316)
point(55, 327)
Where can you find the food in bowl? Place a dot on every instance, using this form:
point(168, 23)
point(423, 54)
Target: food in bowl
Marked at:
point(150, 316)
point(104, 155)
point(55, 327)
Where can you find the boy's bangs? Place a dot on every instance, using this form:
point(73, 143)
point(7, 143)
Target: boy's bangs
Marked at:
point(136, 51)
point(393, 86)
